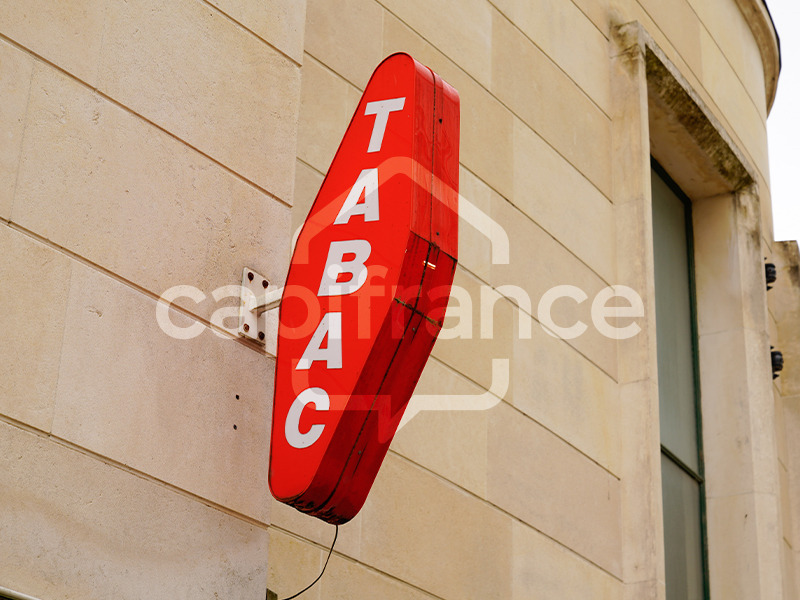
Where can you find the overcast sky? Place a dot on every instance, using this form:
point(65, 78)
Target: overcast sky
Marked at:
point(783, 124)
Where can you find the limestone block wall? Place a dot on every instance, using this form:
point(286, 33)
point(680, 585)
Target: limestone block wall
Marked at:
point(150, 144)
point(785, 305)
point(144, 145)
point(525, 495)
point(552, 457)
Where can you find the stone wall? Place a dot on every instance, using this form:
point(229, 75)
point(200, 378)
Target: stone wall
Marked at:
point(150, 144)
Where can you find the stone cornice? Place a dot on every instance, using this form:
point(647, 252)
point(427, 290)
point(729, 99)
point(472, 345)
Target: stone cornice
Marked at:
point(757, 16)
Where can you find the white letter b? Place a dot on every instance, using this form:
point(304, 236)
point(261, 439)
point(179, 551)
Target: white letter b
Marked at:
point(335, 266)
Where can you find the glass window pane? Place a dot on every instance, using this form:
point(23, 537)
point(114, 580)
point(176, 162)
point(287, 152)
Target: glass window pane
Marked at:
point(682, 533)
point(674, 325)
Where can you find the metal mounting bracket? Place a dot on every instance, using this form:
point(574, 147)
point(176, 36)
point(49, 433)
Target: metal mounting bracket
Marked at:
point(255, 300)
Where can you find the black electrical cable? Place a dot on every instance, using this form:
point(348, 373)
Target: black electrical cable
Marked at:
point(310, 585)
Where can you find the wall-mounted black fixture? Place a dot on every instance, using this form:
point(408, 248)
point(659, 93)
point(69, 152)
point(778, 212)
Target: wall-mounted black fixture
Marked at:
point(777, 362)
point(771, 274)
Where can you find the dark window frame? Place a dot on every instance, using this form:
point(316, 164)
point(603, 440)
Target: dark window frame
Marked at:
point(699, 475)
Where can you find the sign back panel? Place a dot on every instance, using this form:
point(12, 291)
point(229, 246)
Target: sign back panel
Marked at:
point(366, 291)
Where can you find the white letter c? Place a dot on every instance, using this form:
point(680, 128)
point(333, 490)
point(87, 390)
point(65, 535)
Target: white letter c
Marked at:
point(319, 398)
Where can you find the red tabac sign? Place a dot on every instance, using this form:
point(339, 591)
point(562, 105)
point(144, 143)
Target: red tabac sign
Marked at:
point(366, 291)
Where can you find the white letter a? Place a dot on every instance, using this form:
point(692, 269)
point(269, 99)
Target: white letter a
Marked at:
point(331, 325)
point(367, 183)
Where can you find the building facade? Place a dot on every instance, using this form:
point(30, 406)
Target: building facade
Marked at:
point(613, 154)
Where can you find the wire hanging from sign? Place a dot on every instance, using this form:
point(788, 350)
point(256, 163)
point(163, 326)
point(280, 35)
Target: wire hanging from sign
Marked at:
point(321, 573)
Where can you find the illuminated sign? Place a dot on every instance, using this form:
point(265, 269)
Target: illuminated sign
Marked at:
point(366, 291)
